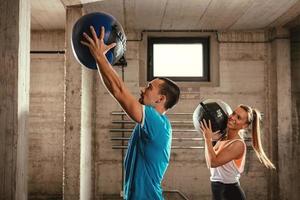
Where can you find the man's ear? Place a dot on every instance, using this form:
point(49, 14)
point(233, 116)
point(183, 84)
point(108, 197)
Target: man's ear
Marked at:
point(163, 98)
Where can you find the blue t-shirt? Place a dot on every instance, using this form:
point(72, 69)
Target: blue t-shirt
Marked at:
point(147, 156)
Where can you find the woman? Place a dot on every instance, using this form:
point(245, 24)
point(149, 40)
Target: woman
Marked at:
point(226, 159)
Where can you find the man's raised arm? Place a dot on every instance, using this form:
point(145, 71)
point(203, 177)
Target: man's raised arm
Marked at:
point(110, 78)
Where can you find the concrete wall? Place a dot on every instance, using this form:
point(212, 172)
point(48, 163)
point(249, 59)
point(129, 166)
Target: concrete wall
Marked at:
point(244, 58)
point(108, 162)
point(242, 80)
point(245, 63)
point(295, 73)
point(14, 98)
point(46, 122)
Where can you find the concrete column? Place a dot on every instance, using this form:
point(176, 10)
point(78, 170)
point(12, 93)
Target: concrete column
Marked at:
point(281, 91)
point(87, 130)
point(73, 92)
point(295, 76)
point(271, 123)
point(14, 97)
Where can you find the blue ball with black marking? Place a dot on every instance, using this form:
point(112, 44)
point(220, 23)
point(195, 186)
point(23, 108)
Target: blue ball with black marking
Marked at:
point(114, 33)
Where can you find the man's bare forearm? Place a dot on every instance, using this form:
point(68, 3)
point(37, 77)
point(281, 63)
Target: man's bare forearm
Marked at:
point(109, 76)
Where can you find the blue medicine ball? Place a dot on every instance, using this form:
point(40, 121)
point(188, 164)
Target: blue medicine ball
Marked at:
point(216, 111)
point(113, 33)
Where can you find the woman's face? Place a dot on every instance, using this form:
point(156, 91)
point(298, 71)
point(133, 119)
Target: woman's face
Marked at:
point(238, 119)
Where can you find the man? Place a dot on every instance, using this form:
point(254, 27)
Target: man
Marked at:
point(149, 147)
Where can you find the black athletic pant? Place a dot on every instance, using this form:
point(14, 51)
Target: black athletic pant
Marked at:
point(222, 191)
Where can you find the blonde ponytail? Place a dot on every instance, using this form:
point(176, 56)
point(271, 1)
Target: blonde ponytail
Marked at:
point(254, 117)
point(256, 140)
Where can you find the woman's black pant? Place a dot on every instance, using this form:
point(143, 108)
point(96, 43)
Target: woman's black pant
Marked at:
point(222, 191)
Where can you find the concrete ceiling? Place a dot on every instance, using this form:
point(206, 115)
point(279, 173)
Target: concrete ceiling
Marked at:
point(173, 14)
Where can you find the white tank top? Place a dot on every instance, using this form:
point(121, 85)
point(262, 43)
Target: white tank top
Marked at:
point(231, 171)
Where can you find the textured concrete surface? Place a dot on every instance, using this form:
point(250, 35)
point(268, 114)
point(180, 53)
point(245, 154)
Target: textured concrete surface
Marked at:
point(46, 122)
point(14, 98)
point(247, 63)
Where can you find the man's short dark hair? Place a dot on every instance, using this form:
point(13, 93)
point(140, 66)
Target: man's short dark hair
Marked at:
point(172, 92)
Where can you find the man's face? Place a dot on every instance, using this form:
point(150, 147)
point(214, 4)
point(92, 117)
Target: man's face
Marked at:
point(150, 94)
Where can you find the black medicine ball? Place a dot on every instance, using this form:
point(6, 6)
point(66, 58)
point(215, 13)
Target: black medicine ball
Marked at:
point(214, 110)
point(113, 33)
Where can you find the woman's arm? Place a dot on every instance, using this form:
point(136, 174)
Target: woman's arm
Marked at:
point(215, 159)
